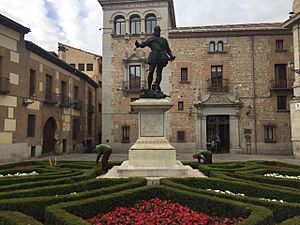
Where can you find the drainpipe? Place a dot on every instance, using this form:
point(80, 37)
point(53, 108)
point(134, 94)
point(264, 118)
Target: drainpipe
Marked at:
point(254, 95)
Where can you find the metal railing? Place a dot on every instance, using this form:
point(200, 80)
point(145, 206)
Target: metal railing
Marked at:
point(282, 84)
point(64, 101)
point(77, 104)
point(50, 98)
point(133, 86)
point(217, 84)
point(4, 85)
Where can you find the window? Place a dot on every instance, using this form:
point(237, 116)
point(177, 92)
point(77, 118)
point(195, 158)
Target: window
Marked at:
point(126, 134)
point(72, 64)
point(216, 76)
point(211, 46)
point(100, 107)
point(49, 97)
point(135, 77)
point(280, 76)
point(76, 92)
point(150, 23)
point(31, 125)
point(135, 24)
point(281, 103)
point(75, 128)
point(269, 133)
point(120, 25)
point(89, 125)
point(279, 45)
point(63, 96)
point(32, 81)
point(89, 67)
point(220, 46)
point(100, 68)
point(180, 105)
point(180, 136)
point(32, 151)
point(184, 74)
point(81, 66)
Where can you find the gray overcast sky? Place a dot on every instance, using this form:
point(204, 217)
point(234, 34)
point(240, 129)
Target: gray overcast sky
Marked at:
point(77, 22)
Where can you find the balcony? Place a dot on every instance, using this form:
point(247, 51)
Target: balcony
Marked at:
point(282, 85)
point(133, 86)
point(217, 84)
point(64, 101)
point(50, 98)
point(77, 104)
point(90, 108)
point(4, 85)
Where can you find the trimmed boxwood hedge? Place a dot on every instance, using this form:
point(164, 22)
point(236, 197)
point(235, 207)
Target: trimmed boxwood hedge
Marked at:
point(35, 206)
point(281, 211)
point(16, 218)
point(70, 213)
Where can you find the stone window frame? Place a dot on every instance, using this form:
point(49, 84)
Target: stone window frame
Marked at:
point(134, 60)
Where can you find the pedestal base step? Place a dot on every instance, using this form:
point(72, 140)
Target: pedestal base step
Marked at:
point(151, 172)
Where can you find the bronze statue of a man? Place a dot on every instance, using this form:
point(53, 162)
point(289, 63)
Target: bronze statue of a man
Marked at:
point(158, 58)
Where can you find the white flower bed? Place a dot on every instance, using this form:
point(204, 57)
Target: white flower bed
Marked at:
point(277, 175)
point(18, 174)
point(239, 194)
point(226, 192)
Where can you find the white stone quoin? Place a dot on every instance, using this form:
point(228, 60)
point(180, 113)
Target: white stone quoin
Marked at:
point(152, 155)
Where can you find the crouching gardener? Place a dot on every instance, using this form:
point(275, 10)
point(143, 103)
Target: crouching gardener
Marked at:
point(205, 155)
point(105, 150)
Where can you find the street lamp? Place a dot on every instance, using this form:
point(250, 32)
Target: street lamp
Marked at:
point(291, 66)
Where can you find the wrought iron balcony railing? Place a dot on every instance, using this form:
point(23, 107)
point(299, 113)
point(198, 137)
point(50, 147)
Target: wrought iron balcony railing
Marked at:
point(133, 86)
point(77, 104)
point(4, 85)
point(217, 84)
point(50, 98)
point(282, 85)
point(64, 101)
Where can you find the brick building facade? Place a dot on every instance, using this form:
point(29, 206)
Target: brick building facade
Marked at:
point(46, 106)
point(228, 81)
point(90, 64)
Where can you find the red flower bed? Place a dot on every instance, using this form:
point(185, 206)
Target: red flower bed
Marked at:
point(22, 167)
point(156, 211)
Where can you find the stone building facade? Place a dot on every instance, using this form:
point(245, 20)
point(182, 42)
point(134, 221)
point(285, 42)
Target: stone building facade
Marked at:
point(46, 106)
point(90, 64)
point(293, 23)
point(228, 82)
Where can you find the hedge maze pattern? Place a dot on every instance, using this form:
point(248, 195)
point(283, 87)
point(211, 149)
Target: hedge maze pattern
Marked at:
point(62, 194)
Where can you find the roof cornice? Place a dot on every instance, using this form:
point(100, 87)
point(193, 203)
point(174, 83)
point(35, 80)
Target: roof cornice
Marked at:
point(13, 25)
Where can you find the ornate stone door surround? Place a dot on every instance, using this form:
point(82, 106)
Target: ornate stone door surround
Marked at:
point(219, 104)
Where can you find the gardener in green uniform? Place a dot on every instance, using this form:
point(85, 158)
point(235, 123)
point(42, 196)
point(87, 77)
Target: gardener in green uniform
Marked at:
point(105, 150)
point(205, 155)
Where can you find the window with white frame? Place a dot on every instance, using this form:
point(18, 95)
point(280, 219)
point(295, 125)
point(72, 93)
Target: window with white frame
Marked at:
point(119, 25)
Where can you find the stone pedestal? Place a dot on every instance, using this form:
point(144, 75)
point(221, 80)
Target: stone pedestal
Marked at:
point(152, 155)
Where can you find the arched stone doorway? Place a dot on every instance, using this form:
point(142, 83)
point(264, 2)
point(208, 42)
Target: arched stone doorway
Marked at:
point(49, 136)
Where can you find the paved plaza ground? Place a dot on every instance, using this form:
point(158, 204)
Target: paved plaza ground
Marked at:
point(182, 157)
